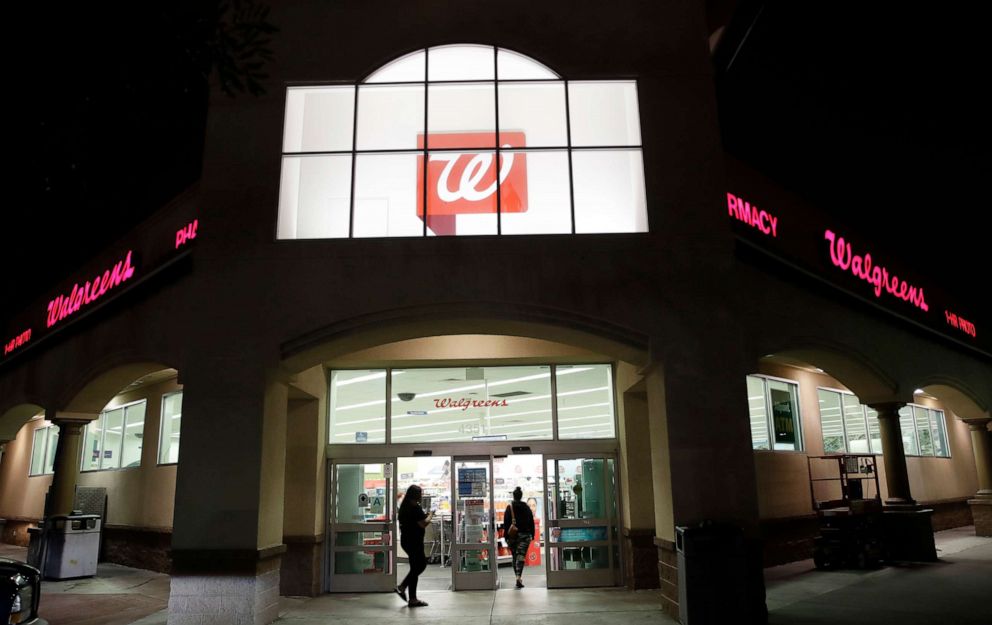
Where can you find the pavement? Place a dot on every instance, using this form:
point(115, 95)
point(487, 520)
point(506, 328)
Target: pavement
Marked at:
point(957, 590)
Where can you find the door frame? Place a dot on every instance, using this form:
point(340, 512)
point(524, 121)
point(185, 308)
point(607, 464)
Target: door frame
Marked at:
point(351, 454)
point(476, 580)
point(585, 578)
point(360, 582)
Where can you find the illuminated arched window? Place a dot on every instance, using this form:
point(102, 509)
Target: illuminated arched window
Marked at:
point(355, 157)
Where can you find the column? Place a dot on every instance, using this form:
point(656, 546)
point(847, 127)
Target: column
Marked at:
point(981, 504)
point(894, 455)
point(68, 455)
point(907, 529)
point(227, 525)
point(303, 514)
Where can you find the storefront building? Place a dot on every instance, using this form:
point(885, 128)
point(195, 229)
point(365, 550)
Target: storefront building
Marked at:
point(474, 254)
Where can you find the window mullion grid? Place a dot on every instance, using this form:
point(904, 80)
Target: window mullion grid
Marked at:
point(426, 168)
point(916, 428)
point(120, 448)
point(499, 202)
point(161, 429)
point(843, 422)
point(554, 402)
point(864, 419)
point(568, 144)
point(354, 164)
point(389, 398)
point(864, 416)
point(769, 421)
point(797, 418)
point(103, 441)
point(127, 412)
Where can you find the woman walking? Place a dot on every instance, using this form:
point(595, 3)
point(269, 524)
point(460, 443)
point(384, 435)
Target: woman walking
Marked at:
point(518, 528)
point(413, 521)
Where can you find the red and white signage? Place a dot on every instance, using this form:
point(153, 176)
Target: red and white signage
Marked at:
point(465, 183)
point(65, 305)
point(750, 214)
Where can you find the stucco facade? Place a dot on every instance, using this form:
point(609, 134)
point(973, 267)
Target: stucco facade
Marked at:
point(684, 311)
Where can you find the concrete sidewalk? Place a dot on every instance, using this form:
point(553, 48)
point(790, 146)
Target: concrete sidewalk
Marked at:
point(957, 590)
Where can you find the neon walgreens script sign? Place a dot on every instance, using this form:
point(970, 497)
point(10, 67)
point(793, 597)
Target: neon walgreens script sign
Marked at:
point(65, 306)
point(843, 257)
point(466, 183)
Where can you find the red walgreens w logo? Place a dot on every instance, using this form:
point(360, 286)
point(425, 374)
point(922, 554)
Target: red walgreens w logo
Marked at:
point(464, 183)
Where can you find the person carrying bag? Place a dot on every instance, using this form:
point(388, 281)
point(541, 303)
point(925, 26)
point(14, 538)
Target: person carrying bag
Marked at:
point(518, 528)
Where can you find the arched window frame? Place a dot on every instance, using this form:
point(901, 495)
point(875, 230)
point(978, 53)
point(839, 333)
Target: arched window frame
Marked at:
point(346, 158)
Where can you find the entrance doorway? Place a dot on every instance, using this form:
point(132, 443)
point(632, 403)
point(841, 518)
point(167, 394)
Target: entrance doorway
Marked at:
point(362, 516)
point(433, 475)
point(572, 498)
point(582, 544)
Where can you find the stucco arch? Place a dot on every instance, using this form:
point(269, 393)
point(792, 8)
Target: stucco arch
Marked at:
point(14, 417)
point(956, 395)
point(97, 385)
point(849, 366)
point(347, 336)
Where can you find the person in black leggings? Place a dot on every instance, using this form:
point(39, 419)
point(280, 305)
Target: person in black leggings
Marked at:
point(519, 514)
point(413, 521)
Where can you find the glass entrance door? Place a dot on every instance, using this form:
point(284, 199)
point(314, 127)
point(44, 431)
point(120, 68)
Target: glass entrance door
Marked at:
point(362, 514)
point(473, 552)
point(582, 546)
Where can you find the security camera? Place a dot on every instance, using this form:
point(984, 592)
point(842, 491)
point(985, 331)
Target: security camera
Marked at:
point(406, 396)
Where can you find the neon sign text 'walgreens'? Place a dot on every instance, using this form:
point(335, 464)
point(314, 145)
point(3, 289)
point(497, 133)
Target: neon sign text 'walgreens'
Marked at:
point(843, 258)
point(65, 305)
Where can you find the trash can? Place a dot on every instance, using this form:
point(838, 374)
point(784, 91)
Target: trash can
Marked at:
point(712, 574)
point(72, 545)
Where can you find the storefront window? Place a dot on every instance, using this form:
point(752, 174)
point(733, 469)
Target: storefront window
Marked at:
point(923, 429)
point(855, 425)
point(358, 406)
point(461, 140)
point(43, 448)
point(113, 440)
point(939, 431)
point(831, 422)
point(874, 433)
point(172, 417)
point(471, 403)
point(923, 433)
point(585, 401)
point(458, 404)
point(774, 413)
point(908, 427)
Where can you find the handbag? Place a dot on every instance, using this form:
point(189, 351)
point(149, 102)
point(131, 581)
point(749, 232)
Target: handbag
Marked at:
point(512, 531)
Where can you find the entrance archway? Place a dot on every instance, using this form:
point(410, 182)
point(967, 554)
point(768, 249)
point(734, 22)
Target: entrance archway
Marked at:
point(451, 342)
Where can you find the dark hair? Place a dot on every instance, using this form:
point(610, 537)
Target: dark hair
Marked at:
point(517, 494)
point(412, 496)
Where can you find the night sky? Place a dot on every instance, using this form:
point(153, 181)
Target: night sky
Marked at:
point(875, 115)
